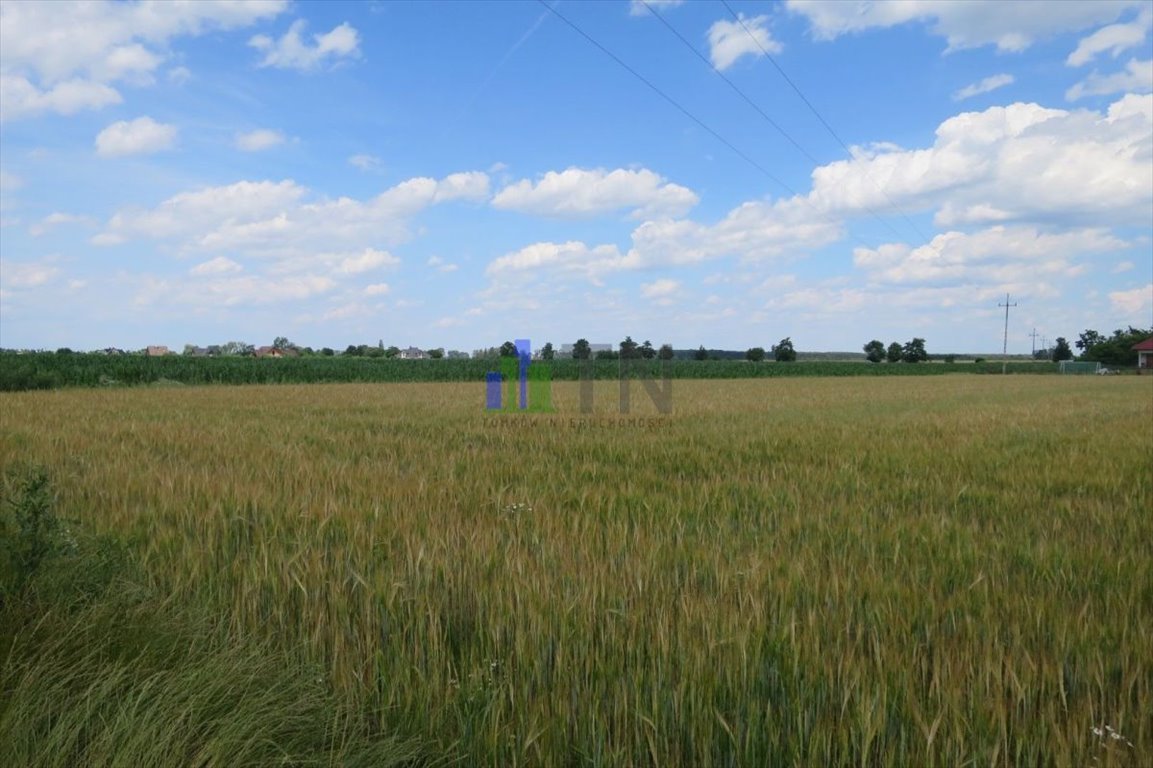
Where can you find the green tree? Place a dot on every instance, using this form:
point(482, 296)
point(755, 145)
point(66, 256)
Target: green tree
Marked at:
point(666, 352)
point(647, 351)
point(607, 354)
point(914, 351)
point(1088, 339)
point(701, 353)
point(783, 351)
point(392, 352)
point(436, 354)
point(547, 352)
point(756, 354)
point(236, 348)
point(629, 349)
point(1062, 351)
point(875, 351)
point(894, 352)
point(508, 349)
point(282, 343)
point(581, 350)
point(326, 351)
point(1113, 350)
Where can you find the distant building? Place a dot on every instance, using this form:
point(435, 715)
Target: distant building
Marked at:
point(158, 350)
point(566, 349)
point(413, 353)
point(276, 352)
point(1144, 351)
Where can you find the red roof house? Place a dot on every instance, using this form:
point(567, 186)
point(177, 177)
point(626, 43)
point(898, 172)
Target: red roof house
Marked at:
point(1144, 350)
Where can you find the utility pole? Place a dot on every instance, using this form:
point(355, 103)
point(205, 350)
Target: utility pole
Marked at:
point(1034, 336)
point(1005, 343)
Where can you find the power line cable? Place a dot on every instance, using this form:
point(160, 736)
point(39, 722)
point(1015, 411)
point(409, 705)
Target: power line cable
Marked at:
point(825, 215)
point(884, 222)
point(796, 89)
point(730, 83)
point(670, 100)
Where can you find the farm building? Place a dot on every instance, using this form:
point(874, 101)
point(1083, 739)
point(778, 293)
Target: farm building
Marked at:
point(1144, 351)
point(276, 352)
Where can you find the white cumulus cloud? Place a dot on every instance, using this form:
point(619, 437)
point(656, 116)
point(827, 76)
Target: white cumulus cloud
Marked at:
point(56, 219)
point(730, 40)
point(1137, 77)
point(1011, 26)
point(995, 255)
point(660, 291)
point(64, 57)
point(366, 261)
point(261, 139)
point(577, 192)
point(291, 51)
point(20, 98)
point(1136, 303)
point(28, 274)
point(135, 137)
point(221, 265)
point(1020, 162)
point(1113, 39)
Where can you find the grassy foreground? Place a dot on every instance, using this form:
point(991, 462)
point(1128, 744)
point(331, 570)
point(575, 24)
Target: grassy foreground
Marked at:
point(946, 570)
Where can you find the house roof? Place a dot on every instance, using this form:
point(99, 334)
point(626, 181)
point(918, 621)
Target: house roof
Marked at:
point(1143, 346)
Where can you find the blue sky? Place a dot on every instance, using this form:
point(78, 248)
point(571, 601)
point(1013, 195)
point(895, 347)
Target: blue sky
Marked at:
point(457, 174)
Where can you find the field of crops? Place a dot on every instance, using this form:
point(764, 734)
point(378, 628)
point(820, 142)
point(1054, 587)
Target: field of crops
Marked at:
point(932, 570)
point(46, 370)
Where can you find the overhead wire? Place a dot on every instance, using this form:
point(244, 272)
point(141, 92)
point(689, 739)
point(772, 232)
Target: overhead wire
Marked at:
point(683, 110)
point(796, 89)
point(735, 149)
point(757, 107)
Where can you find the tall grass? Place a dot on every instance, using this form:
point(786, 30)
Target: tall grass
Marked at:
point(98, 671)
point(917, 571)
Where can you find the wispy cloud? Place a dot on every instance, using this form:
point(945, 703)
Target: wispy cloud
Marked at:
point(990, 83)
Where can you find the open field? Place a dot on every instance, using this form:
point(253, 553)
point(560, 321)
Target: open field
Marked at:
point(931, 570)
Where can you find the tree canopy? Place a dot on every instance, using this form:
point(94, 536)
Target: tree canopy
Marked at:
point(783, 351)
point(1112, 350)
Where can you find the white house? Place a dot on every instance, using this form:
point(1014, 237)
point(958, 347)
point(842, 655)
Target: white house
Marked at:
point(1144, 354)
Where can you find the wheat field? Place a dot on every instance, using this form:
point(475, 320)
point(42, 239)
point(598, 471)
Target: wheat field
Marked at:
point(945, 571)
